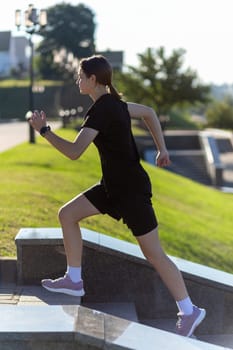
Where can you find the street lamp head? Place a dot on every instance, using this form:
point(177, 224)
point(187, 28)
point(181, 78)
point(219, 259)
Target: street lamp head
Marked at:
point(32, 18)
point(43, 18)
point(18, 18)
point(27, 21)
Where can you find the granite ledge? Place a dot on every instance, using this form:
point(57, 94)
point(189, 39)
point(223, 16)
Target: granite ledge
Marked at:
point(127, 250)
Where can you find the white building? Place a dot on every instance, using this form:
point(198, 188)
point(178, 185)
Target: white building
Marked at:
point(13, 53)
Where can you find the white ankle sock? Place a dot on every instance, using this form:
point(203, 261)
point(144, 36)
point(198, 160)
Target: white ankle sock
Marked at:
point(185, 306)
point(74, 273)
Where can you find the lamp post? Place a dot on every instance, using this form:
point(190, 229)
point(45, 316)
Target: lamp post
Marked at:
point(34, 20)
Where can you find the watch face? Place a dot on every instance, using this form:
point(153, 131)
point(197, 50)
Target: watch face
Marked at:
point(44, 129)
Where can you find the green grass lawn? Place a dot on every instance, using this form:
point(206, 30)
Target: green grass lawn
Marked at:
point(195, 221)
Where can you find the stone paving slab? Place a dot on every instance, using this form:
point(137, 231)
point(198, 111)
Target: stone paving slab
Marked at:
point(29, 295)
point(36, 294)
point(9, 294)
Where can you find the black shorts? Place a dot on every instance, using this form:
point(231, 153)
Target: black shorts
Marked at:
point(135, 209)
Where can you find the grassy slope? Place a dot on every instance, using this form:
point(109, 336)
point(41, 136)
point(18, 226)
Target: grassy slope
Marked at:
point(195, 221)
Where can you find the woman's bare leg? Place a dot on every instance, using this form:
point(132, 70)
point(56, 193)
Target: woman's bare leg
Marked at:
point(70, 215)
point(169, 273)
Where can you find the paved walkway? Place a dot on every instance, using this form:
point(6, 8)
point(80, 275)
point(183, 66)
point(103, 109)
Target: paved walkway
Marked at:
point(12, 134)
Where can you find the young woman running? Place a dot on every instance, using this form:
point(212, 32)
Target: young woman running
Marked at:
point(124, 191)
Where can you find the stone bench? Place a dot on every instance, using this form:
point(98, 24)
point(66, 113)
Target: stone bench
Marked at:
point(116, 271)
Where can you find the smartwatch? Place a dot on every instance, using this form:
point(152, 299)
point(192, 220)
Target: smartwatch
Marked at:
point(44, 129)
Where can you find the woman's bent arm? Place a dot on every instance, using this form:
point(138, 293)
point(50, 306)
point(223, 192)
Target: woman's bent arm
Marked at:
point(72, 150)
point(152, 122)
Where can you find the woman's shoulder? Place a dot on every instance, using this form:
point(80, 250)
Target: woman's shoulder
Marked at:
point(108, 103)
point(114, 100)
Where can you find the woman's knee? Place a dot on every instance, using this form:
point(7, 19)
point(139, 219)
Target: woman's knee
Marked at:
point(151, 247)
point(64, 214)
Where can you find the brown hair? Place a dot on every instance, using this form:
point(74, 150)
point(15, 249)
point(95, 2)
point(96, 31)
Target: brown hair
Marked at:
point(99, 66)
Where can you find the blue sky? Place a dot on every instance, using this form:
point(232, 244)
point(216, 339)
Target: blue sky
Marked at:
point(204, 28)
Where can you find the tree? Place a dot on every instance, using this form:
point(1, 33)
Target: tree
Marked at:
point(220, 114)
point(161, 81)
point(69, 27)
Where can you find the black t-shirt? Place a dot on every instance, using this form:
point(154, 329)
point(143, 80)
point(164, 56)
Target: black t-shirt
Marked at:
point(120, 161)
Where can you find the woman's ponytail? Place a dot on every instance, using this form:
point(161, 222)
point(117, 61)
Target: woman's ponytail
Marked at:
point(114, 92)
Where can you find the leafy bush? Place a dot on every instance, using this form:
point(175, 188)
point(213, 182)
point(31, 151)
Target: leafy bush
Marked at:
point(220, 114)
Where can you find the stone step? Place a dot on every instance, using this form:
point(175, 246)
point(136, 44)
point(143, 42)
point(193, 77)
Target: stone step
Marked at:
point(127, 311)
point(165, 324)
point(33, 297)
point(124, 310)
point(225, 340)
point(39, 255)
point(71, 327)
point(191, 166)
point(188, 163)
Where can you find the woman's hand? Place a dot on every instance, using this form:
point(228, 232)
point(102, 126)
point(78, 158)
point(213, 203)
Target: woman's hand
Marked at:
point(162, 159)
point(38, 120)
